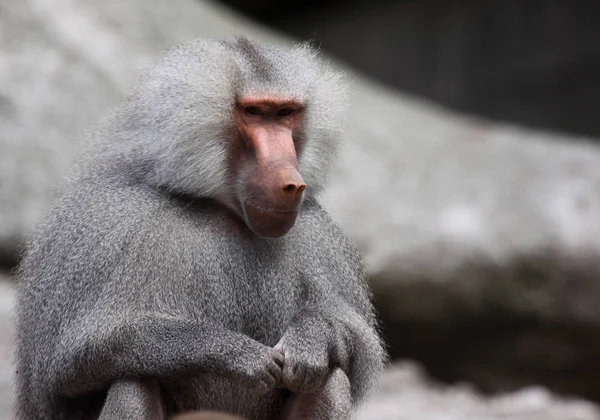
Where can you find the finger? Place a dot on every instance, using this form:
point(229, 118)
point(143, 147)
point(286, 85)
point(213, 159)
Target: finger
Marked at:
point(261, 388)
point(288, 378)
point(279, 345)
point(278, 358)
point(275, 371)
point(269, 381)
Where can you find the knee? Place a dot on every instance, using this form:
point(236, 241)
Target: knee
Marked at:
point(339, 380)
point(338, 387)
point(133, 399)
point(332, 402)
point(134, 388)
point(337, 391)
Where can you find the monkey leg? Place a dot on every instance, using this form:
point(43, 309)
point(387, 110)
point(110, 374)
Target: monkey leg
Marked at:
point(133, 400)
point(331, 402)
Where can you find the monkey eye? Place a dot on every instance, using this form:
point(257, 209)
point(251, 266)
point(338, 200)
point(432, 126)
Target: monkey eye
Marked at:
point(253, 110)
point(285, 112)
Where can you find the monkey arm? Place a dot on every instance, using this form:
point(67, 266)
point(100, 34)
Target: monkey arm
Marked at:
point(338, 310)
point(366, 355)
point(152, 346)
point(324, 337)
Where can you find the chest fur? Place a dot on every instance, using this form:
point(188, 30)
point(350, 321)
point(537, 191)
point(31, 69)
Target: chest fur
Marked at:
point(220, 271)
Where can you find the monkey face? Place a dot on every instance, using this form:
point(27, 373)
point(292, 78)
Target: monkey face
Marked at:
point(271, 186)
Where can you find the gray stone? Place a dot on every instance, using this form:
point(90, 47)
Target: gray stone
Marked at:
point(407, 394)
point(481, 239)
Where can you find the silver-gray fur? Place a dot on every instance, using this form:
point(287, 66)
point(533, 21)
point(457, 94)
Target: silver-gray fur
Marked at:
point(140, 272)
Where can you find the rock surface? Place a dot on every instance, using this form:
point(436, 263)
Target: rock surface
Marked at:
point(481, 239)
point(482, 243)
point(407, 394)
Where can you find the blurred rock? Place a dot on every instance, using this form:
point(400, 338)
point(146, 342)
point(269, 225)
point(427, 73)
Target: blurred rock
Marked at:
point(482, 242)
point(482, 239)
point(406, 394)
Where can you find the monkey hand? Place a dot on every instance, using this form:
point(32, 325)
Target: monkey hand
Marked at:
point(259, 368)
point(311, 349)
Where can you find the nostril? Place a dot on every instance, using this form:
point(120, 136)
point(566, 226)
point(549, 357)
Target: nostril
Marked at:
point(295, 189)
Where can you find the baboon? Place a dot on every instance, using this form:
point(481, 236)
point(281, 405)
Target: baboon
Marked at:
point(187, 264)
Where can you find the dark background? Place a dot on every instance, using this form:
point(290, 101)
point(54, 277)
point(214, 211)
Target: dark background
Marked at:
point(535, 62)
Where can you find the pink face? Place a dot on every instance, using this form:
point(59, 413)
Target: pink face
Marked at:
point(266, 153)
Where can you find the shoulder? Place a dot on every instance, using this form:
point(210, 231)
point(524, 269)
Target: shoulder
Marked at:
point(313, 215)
point(315, 219)
point(320, 232)
point(89, 213)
